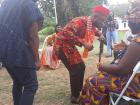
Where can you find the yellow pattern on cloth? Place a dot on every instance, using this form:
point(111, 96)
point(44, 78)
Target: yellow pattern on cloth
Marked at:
point(97, 87)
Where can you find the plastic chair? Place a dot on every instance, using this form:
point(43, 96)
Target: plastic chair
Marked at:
point(121, 95)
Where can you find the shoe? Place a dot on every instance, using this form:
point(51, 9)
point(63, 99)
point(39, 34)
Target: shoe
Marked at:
point(74, 100)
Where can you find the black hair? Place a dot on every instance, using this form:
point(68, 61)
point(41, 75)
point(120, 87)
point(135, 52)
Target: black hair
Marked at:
point(56, 28)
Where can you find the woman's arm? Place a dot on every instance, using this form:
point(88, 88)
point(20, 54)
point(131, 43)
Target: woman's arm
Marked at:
point(127, 63)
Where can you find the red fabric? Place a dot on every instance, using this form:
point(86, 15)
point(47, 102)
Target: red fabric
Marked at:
point(47, 59)
point(68, 40)
point(101, 9)
point(89, 36)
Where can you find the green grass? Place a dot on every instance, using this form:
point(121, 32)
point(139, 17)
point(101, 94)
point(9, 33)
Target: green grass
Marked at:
point(121, 35)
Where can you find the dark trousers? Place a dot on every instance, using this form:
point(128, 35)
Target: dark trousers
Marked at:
point(76, 73)
point(24, 84)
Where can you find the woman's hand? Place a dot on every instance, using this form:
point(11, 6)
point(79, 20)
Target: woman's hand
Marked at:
point(101, 37)
point(88, 46)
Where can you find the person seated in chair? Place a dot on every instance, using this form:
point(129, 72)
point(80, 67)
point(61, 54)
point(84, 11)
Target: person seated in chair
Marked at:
point(113, 77)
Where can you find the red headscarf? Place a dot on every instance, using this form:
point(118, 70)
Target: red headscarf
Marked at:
point(101, 9)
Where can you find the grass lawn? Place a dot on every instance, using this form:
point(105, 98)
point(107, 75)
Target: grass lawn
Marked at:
point(53, 84)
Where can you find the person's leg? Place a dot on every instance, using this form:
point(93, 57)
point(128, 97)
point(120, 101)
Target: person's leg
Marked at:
point(65, 62)
point(76, 73)
point(115, 36)
point(25, 86)
point(108, 52)
point(30, 84)
point(17, 87)
point(82, 72)
point(76, 78)
point(17, 92)
point(75, 83)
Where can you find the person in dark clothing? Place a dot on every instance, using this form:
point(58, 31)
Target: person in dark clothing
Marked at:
point(20, 21)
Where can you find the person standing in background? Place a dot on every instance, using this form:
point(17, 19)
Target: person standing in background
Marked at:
point(111, 34)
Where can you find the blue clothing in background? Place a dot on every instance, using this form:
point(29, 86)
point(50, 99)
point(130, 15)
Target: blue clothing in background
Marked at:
point(111, 36)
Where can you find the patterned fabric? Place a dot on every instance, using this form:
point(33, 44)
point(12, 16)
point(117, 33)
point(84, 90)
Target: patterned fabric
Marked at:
point(51, 39)
point(97, 87)
point(68, 40)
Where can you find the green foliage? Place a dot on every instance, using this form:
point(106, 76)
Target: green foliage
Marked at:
point(66, 9)
point(120, 10)
point(85, 6)
point(47, 31)
point(47, 8)
point(48, 22)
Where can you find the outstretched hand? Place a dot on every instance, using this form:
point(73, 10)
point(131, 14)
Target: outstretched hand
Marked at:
point(101, 37)
point(86, 45)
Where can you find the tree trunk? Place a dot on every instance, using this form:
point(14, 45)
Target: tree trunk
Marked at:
point(66, 9)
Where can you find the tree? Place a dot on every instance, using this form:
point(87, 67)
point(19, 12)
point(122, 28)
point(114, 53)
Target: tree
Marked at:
point(47, 8)
point(118, 11)
point(67, 9)
point(85, 6)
